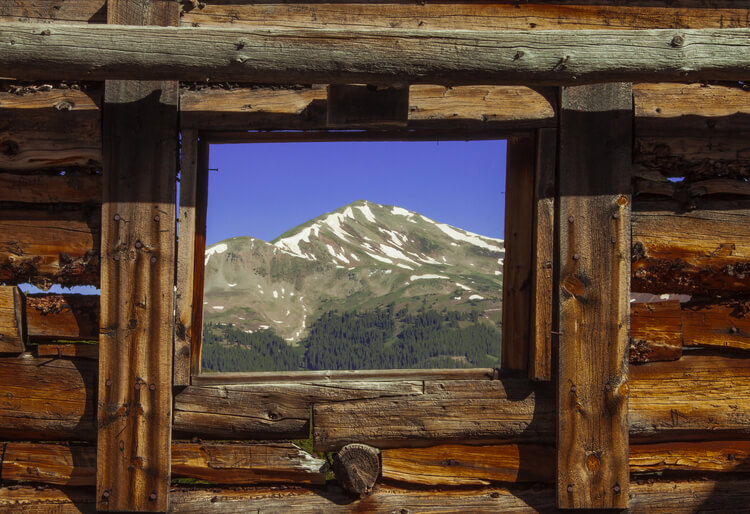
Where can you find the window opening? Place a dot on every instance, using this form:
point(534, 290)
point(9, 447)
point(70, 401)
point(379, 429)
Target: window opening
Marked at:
point(354, 255)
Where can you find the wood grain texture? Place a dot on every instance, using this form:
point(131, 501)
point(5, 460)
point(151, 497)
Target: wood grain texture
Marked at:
point(692, 456)
point(594, 284)
point(268, 411)
point(47, 399)
point(62, 317)
point(134, 415)
point(702, 251)
point(56, 464)
point(183, 329)
point(304, 107)
point(51, 127)
point(12, 320)
point(680, 497)
point(716, 324)
point(63, 11)
point(247, 463)
point(357, 468)
point(655, 331)
point(351, 106)
point(199, 264)
point(542, 287)
point(50, 189)
point(517, 264)
point(50, 246)
point(372, 56)
point(79, 350)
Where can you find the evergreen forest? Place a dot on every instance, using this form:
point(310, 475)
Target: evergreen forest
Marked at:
point(376, 339)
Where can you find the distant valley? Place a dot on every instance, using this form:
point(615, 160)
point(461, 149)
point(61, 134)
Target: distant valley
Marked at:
point(342, 268)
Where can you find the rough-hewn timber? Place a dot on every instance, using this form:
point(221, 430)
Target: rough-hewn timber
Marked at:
point(49, 127)
point(594, 164)
point(12, 322)
point(377, 56)
point(717, 324)
point(357, 467)
point(45, 247)
point(655, 331)
point(70, 188)
point(47, 399)
point(59, 464)
point(81, 350)
point(702, 251)
point(62, 317)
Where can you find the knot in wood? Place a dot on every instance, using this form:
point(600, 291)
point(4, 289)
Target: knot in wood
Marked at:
point(677, 41)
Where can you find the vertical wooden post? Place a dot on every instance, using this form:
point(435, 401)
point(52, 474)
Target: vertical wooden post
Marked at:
point(594, 283)
point(134, 414)
point(12, 320)
point(199, 250)
point(183, 333)
point(540, 347)
point(519, 201)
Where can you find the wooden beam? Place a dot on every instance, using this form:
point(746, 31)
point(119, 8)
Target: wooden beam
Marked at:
point(70, 188)
point(594, 288)
point(12, 321)
point(199, 263)
point(543, 237)
point(517, 263)
point(62, 317)
point(184, 294)
point(79, 350)
point(352, 106)
point(56, 11)
point(46, 127)
point(134, 415)
point(280, 55)
point(50, 246)
point(655, 331)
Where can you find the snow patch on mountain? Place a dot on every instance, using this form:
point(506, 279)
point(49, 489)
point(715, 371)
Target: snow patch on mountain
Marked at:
point(426, 276)
point(216, 249)
point(365, 209)
point(469, 237)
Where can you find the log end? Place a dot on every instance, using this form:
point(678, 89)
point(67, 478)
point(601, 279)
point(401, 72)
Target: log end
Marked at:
point(357, 467)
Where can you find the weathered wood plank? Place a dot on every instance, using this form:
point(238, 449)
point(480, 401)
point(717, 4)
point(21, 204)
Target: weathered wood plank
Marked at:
point(466, 15)
point(594, 289)
point(134, 415)
point(655, 331)
point(357, 468)
point(50, 189)
point(268, 411)
point(304, 107)
point(80, 350)
point(703, 251)
point(352, 106)
point(50, 464)
point(183, 328)
point(247, 463)
point(65, 11)
point(372, 56)
point(62, 317)
point(542, 288)
point(69, 500)
point(220, 463)
point(462, 465)
point(199, 264)
point(517, 265)
point(12, 320)
point(334, 377)
point(47, 399)
point(46, 247)
point(50, 127)
point(716, 324)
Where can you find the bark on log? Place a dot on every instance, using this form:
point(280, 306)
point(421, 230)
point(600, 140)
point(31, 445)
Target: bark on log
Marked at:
point(703, 251)
point(62, 316)
point(45, 248)
point(47, 399)
point(280, 55)
point(357, 468)
point(50, 128)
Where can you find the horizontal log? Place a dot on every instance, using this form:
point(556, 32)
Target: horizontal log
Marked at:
point(47, 399)
point(396, 56)
point(80, 350)
point(12, 323)
point(62, 317)
point(267, 411)
point(462, 465)
point(430, 107)
point(221, 463)
point(69, 188)
point(703, 251)
point(655, 331)
point(49, 127)
point(681, 497)
point(46, 247)
point(697, 397)
point(464, 15)
point(717, 324)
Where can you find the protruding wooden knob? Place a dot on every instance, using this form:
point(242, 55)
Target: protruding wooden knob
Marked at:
point(357, 467)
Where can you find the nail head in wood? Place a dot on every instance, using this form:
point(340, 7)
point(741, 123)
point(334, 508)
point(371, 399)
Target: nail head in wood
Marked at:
point(116, 217)
point(138, 244)
point(571, 219)
point(576, 256)
point(157, 218)
point(116, 257)
point(153, 260)
point(357, 467)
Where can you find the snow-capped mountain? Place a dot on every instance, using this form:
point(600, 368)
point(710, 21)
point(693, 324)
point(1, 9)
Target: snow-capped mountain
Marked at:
point(357, 257)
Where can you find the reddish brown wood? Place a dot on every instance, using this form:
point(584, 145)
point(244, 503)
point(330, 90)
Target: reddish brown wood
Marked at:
point(12, 321)
point(655, 331)
point(62, 317)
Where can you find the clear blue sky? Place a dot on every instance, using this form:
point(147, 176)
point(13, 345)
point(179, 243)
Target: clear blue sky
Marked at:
point(264, 189)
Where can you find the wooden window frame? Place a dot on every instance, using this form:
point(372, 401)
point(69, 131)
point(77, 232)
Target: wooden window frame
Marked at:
point(527, 324)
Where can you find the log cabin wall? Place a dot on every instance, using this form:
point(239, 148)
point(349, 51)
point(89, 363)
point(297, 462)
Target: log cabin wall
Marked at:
point(469, 440)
